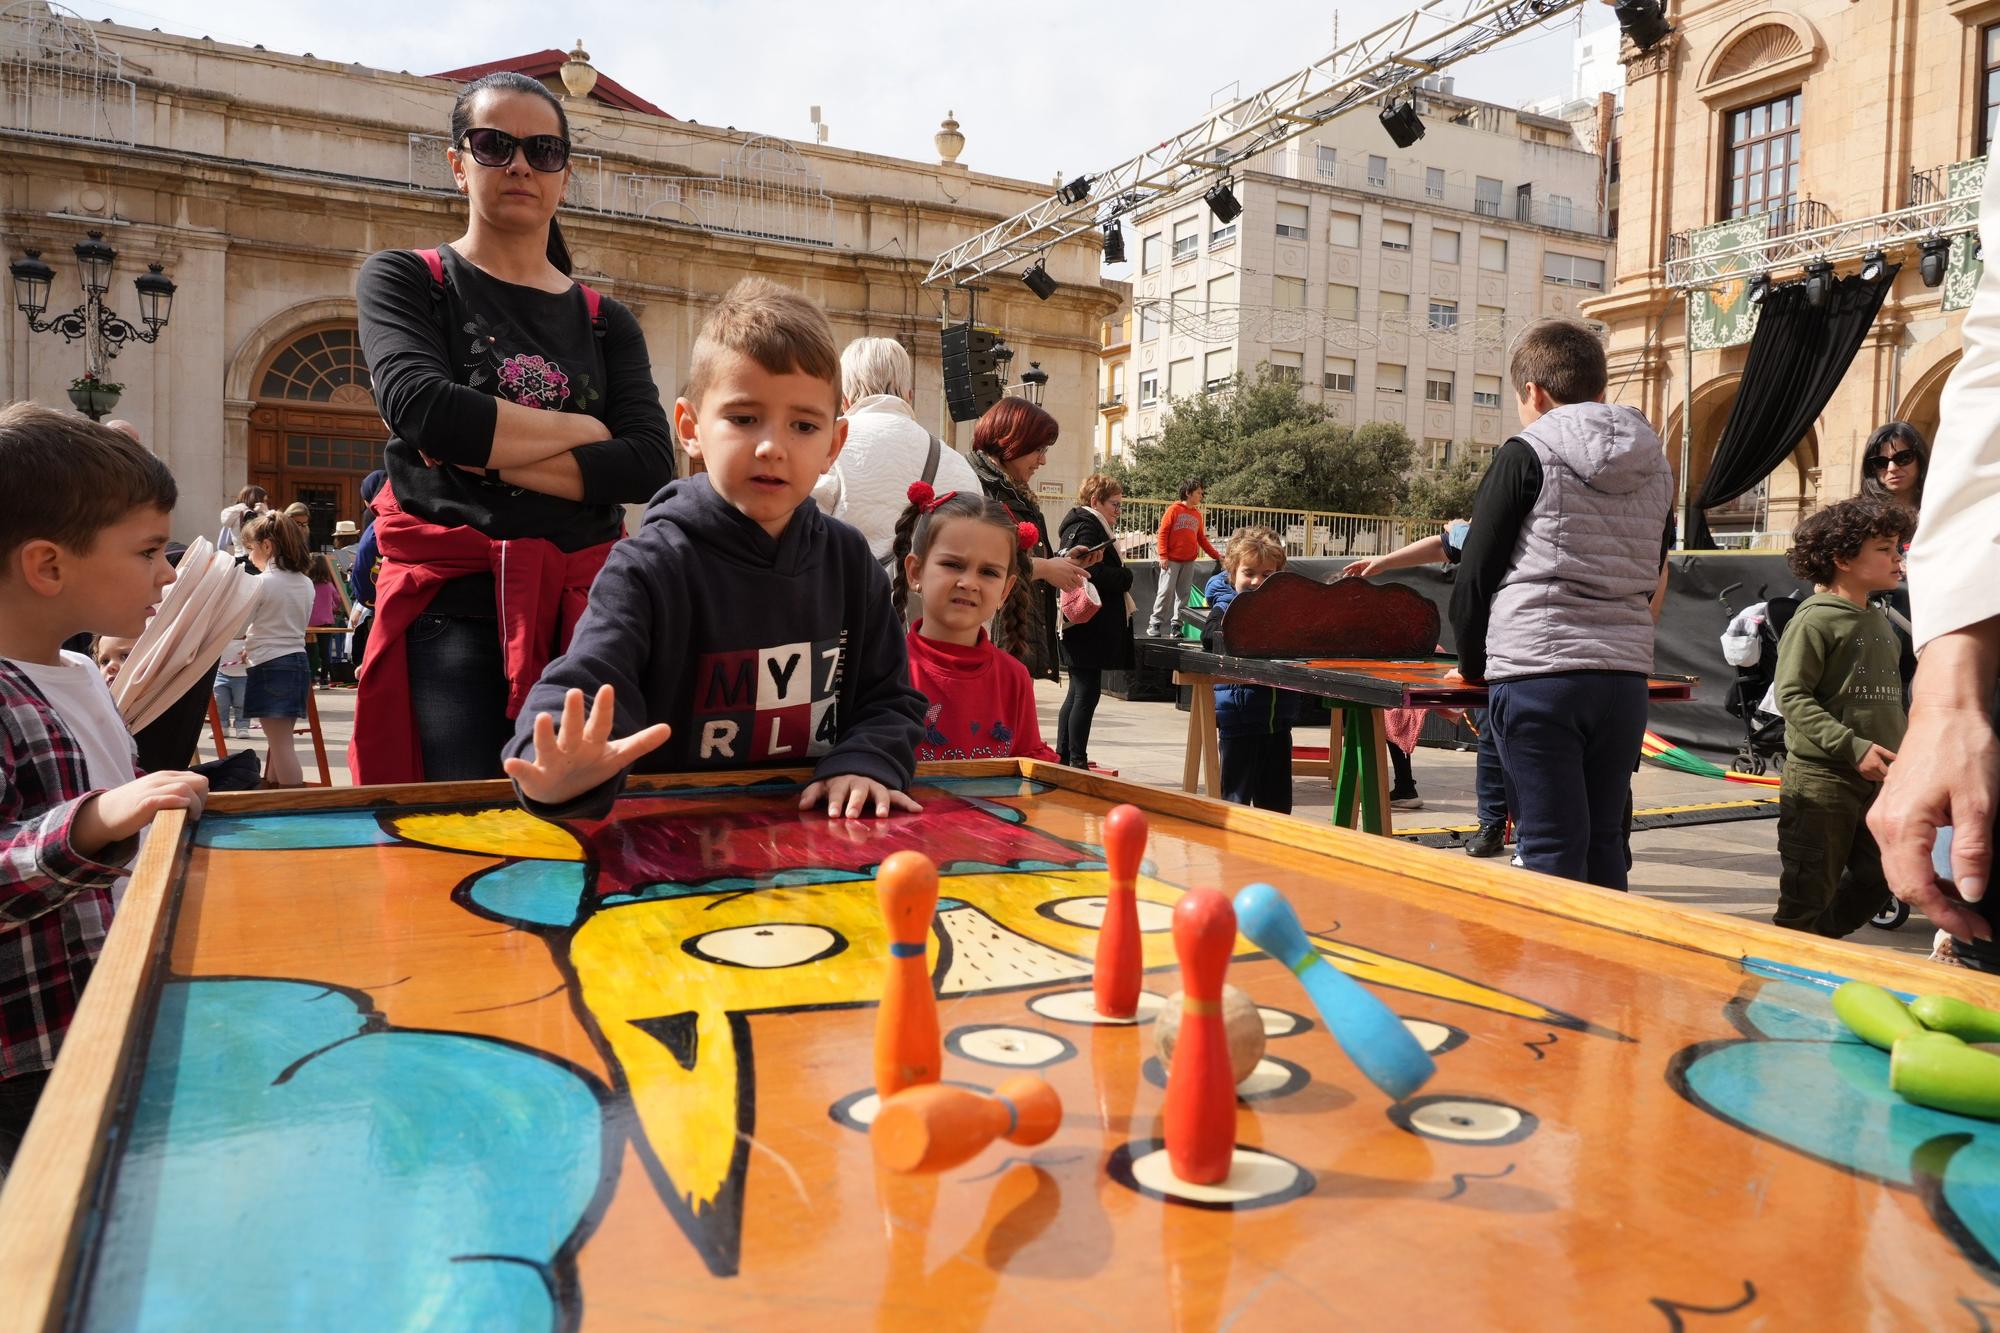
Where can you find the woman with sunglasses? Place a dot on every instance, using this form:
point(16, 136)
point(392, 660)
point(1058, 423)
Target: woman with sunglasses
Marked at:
point(523, 415)
point(1894, 464)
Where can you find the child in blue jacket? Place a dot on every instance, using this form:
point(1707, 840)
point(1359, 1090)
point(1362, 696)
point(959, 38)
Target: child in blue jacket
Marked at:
point(1253, 723)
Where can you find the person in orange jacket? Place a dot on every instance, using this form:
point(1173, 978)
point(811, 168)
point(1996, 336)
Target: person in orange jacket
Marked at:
point(1182, 536)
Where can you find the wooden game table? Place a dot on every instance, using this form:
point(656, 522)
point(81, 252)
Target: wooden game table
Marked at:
point(408, 1057)
point(1360, 690)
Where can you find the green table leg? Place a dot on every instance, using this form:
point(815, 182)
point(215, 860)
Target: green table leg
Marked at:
point(1359, 783)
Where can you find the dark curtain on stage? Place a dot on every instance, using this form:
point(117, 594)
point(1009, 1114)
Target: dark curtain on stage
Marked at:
point(1797, 358)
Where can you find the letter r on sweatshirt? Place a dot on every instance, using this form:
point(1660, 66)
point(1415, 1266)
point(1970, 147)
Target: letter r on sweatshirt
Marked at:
point(718, 737)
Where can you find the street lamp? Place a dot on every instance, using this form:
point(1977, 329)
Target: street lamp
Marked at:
point(101, 328)
point(1034, 381)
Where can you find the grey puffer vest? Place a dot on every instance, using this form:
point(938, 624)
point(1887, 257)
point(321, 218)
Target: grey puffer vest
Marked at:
point(1576, 597)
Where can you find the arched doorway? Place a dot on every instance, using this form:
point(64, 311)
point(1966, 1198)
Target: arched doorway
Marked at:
point(314, 432)
point(1921, 407)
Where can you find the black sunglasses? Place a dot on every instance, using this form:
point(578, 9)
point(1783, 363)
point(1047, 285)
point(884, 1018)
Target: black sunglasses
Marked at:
point(1881, 462)
point(495, 148)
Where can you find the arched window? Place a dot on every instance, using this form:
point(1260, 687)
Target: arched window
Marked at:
point(324, 366)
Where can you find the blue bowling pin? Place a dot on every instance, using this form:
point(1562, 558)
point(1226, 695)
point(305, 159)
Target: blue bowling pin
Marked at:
point(1374, 1038)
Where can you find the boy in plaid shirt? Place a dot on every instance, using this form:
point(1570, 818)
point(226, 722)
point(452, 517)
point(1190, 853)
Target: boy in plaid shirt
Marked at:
point(83, 535)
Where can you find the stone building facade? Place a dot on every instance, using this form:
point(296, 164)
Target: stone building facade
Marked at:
point(1816, 113)
point(1388, 281)
point(261, 181)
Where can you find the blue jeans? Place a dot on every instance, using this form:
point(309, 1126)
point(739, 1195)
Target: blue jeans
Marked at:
point(1568, 743)
point(1489, 779)
point(458, 696)
point(230, 692)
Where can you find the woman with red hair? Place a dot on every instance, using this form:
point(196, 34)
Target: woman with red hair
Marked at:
point(1010, 443)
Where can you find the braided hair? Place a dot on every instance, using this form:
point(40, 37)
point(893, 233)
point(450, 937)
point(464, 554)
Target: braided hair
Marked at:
point(921, 517)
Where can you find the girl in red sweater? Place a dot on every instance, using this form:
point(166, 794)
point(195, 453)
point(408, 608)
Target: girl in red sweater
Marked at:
point(965, 558)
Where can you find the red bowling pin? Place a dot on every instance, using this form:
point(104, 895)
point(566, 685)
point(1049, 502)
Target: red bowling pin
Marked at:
point(1119, 959)
point(1201, 1095)
point(907, 1048)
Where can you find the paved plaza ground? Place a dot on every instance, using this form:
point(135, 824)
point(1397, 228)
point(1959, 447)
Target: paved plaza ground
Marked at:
point(1730, 868)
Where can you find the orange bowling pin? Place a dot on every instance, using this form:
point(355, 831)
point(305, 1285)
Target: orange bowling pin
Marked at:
point(1201, 1092)
point(1115, 983)
point(936, 1127)
point(907, 1047)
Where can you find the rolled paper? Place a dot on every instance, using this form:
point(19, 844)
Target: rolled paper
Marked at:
point(1968, 1022)
point(1946, 1075)
point(1873, 1014)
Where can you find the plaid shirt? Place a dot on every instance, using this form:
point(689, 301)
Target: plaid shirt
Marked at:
point(55, 903)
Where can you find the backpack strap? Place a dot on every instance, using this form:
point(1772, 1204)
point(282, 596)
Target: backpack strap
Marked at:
point(435, 263)
point(932, 459)
point(593, 304)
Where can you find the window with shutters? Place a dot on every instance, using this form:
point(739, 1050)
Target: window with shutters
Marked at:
point(1342, 301)
point(1395, 235)
point(1217, 367)
point(1339, 374)
point(1292, 220)
point(1493, 254)
point(1444, 247)
point(1438, 386)
point(1187, 236)
point(1149, 253)
point(1486, 391)
point(1288, 293)
point(1346, 229)
point(1391, 379)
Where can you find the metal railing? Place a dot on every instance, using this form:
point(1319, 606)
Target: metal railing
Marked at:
point(1538, 209)
point(1304, 532)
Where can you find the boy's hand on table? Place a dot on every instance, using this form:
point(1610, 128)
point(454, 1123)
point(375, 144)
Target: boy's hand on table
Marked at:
point(113, 816)
point(581, 754)
point(849, 796)
point(1359, 569)
point(1875, 764)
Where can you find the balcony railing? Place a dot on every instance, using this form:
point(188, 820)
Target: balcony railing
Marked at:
point(1581, 216)
point(1804, 215)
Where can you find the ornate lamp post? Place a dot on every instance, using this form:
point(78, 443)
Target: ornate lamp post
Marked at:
point(1034, 382)
point(101, 328)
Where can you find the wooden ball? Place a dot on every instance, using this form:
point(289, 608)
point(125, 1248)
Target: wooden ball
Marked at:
point(1241, 1023)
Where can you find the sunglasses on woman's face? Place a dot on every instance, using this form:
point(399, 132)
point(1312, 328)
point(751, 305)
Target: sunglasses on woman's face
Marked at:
point(1883, 462)
point(495, 148)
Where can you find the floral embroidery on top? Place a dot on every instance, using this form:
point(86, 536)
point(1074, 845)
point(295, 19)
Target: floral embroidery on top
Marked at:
point(532, 381)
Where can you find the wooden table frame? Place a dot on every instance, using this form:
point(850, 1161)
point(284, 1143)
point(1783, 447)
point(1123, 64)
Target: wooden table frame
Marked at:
point(49, 1206)
point(1357, 737)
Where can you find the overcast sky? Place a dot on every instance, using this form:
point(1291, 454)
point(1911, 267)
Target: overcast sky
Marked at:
point(1082, 90)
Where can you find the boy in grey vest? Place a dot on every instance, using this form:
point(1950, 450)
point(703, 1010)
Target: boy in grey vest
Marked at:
point(1551, 607)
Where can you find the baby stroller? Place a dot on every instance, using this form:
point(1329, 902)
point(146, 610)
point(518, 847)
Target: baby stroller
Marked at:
point(1750, 644)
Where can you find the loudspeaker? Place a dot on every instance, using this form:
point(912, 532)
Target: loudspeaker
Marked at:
point(971, 378)
point(972, 363)
point(961, 339)
point(969, 399)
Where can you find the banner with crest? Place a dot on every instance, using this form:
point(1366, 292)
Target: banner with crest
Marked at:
point(1965, 182)
point(1723, 315)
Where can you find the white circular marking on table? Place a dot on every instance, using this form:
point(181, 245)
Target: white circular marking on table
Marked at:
point(1464, 1119)
point(857, 1110)
point(995, 1044)
point(1268, 1077)
point(1080, 1006)
point(1434, 1037)
point(1254, 1178)
point(1282, 1022)
point(771, 944)
point(1089, 913)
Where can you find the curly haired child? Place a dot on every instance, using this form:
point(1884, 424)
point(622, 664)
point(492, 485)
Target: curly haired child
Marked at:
point(966, 559)
point(1840, 688)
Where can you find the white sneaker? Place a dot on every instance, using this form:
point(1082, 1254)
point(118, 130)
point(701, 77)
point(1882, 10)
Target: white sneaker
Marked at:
point(1516, 862)
point(243, 733)
point(1406, 802)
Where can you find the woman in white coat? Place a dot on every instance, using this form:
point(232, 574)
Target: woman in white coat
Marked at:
point(887, 449)
point(1947, 773)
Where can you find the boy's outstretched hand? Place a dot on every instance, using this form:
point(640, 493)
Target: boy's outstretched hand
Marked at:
point(1875, 764)
point(581, 755)
point(849, 796)
point(115, 815)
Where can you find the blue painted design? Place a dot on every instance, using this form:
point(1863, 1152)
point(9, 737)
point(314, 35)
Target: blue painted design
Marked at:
point(1007, 814)
point(343, 828)
point(897, 949)
point(783, 879)
point(1827, 981)
point(541, 893)
point(1787, 1011)
point(973, 787)
point(951, 904)
point(392, 1180)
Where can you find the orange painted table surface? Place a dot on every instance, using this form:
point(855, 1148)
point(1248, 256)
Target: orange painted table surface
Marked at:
point(392, 1057)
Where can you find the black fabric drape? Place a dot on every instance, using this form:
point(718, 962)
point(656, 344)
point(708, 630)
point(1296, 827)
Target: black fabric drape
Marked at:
point(1797, 358)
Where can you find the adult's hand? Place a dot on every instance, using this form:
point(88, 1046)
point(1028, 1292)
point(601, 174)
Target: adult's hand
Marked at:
point(1948, 773)
point(1359, 569)
point(1061, 573)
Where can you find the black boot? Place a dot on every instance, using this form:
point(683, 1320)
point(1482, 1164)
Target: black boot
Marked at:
point(1488, 841)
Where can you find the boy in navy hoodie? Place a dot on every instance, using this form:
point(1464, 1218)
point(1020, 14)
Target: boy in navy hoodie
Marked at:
point(739, 627)
point(1253, 723)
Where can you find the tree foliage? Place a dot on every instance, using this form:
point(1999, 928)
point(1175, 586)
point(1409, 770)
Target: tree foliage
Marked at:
point(1259, 442)
point(1445, 495)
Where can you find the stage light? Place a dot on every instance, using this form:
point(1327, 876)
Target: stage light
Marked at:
point(1039, 282)
point(1760, 287)
point(1936, 254)
point(1222, 202)
point(1643, 22)
point(1819, 282)
point(1873, 265)
point(1076, 191)
point(1403, 123)
point(1114, 243)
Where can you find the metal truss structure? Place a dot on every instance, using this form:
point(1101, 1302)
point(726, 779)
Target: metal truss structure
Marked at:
point(1393, 58)
point(57, 79)
point(1834, 244)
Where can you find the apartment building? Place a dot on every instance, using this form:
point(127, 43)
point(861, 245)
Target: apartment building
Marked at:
point(1388, 281)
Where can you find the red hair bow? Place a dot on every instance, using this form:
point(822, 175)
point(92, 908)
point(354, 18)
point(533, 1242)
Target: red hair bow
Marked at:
point(926, 499)
point(1027, 535)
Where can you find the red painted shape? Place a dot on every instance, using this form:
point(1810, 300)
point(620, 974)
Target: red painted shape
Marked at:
point(1201, 1094)
point(908, 1050)
point(547, 64)
point(1291, 615)
point(1115, 982)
